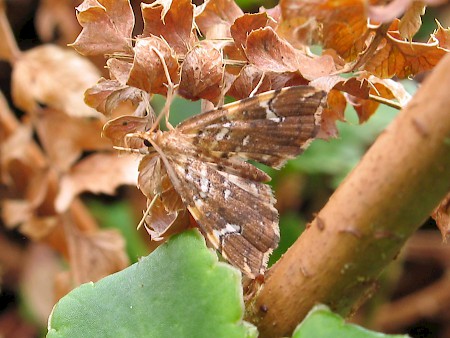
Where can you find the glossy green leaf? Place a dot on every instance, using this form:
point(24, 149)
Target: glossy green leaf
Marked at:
point(180, 290)
point(322, 323)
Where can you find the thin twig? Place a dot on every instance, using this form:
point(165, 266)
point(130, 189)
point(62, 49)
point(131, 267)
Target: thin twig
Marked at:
point(387, 102)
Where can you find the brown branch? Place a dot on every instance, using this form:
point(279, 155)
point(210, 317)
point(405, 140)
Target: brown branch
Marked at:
point(397, 184)
point(380, 34)
point(428, 246)
point(426, 303)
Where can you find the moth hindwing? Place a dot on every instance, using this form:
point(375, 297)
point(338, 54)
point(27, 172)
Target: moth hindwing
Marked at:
point(204, 159)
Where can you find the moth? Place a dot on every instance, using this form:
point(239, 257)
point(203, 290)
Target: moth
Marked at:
point(205, 157)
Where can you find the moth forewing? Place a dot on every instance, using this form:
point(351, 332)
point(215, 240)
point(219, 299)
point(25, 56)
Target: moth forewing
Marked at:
point(204, 155)
point(225, 206)
point(269, 128)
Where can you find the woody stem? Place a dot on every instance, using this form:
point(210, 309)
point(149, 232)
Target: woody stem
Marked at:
point(393, 190)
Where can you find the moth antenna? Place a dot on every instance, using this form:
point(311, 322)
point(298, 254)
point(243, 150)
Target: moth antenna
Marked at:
point(258, 85)
point(147, 211)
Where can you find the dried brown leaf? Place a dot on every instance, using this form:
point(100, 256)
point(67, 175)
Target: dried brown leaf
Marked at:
point(150, 180)
point(118, 128)
point(344, 23)
point(313, 68)
point(161, 224)
point(171, 20)
point(411, 21)
point(15, 212)
point(98, 173)
point(33, 208)
point(358, 87)
point(55, 77)
point(107, 27)
point(397, 57)
point(97, 95)
point(299, 31)
point(119, 70)
point(39, 190)
point(442, 217)
point(247, 80)
point(39, 269)
point(9, 51)
point(56, 18)
point(8, 121)
point(38, 228)
point(394, 9)
point(110, 97)
point(202, 73)
point(237, 55)
point(215, 17)
point(365, 108)
point(443, 36)
point(336, 104)
point(147, 72)
point(250, 77)
point(13, 148)
point(168, 214)
point(19, 160)
point(94, 255)
point(267, 51)
point(393, 88)
point(353, 86)
point(274, 12)
point(243, 25)
point(64, 138)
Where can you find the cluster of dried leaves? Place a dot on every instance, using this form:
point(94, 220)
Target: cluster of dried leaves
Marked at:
point(198, 52)
point(209, 51)
point(47, 159)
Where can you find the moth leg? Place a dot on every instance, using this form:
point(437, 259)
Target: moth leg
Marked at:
point(258, 85)
point(171, 91)
point(147, 211)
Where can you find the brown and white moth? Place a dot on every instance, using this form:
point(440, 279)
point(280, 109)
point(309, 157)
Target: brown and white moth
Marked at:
point(204, 158)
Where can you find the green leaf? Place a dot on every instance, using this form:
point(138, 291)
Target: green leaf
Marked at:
point(180, 109)
point(180, 290)
point(322, 323)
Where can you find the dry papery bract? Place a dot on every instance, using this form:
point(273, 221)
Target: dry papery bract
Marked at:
point(54, 17)
point(51, 76)
point(32, 185)
point(251, 40)
point(48, 83)
point(172, 21)
point(442, 217)
point(209, 51)
point(107, 27)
